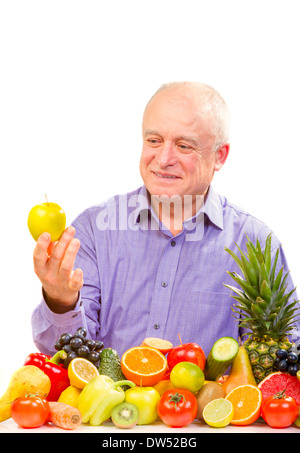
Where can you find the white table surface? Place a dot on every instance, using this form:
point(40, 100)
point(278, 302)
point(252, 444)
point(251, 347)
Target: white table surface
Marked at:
point(197, 427)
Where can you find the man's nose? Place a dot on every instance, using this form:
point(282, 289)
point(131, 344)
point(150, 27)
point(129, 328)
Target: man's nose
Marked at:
point(167, 155)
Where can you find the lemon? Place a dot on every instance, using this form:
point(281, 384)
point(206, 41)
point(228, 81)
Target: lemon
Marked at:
point(218, 413)
point(70, 396)
point(298, 375)
point(81, 371)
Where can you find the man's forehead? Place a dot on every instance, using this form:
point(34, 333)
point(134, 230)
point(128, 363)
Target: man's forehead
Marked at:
point(184, 123)
point(191, 106)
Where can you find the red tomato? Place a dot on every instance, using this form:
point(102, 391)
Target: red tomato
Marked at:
point(177, 407)
point(30, 411)
point(279, 410)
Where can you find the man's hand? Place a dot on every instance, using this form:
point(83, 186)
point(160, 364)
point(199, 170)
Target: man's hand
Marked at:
point(53, 264)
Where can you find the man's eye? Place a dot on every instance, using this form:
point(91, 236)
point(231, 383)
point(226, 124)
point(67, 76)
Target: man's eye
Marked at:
point(153, 141)
point(185, 148)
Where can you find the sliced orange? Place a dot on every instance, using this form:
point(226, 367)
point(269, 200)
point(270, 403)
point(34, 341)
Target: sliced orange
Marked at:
point(246, 401)
point(143, 365)
point(81, 371)
point(164, 346)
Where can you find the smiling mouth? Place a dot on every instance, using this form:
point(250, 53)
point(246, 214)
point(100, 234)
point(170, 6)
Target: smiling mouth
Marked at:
point(165, 176)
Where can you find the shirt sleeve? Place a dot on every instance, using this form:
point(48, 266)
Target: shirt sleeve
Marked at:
point(47, 326)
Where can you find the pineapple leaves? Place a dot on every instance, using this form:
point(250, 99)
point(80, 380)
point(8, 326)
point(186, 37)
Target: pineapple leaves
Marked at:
point(267, 254)
point(283, 281)
point(253, 258)
point(277, 281)
point(265, 291)
point(263, 305)
point(259, 252)
point(272, 275)
point(248, 289)
point(248, 272)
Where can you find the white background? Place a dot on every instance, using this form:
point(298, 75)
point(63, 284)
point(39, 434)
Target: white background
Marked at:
point(75, 77)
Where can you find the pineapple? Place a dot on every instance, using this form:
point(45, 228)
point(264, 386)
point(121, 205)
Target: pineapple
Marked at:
point(262, 307)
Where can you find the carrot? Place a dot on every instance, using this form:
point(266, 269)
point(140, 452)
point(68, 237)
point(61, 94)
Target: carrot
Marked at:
point(63, 415)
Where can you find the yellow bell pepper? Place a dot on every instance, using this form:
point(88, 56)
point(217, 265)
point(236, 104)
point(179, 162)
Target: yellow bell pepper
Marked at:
point(99, 397)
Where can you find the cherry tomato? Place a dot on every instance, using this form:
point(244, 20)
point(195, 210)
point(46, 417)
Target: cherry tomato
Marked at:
point(279, 410)
point(177, 407)
point(30, 411)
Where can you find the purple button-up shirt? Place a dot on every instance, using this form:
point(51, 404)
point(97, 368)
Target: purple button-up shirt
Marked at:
point(141, 281)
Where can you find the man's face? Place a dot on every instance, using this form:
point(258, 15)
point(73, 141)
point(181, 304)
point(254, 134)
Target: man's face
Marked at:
point(177, 156)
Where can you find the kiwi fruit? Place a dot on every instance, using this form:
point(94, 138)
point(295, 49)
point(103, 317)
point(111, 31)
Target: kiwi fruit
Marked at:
point(125, 415)
point(210, 391)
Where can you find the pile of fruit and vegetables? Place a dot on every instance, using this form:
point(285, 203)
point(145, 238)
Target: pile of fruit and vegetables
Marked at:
point(237, 383)
point(156, 381)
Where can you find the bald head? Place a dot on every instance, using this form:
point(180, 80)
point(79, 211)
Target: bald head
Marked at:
point(208, 103)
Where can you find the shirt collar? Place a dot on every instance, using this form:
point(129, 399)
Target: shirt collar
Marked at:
point(211, 207)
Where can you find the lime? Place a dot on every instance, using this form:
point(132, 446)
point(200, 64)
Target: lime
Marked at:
point(187, 375)
point(70, 396)
point(218, 413)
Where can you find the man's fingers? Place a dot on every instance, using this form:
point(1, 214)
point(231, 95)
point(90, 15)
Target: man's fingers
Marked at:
point(51, 247)
point(40, 254)
point(68, 260)
point(76, 280)
point(58, 251)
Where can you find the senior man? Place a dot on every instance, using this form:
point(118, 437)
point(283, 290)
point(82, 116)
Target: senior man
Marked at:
point(152, 262)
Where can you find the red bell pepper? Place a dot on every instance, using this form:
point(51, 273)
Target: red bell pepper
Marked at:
point(57, 374)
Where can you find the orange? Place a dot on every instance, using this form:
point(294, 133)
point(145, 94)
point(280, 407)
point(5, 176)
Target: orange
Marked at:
point(163, 386)
point(143, 365)
point(246, 400)
point(81, 371)
point(164, 346)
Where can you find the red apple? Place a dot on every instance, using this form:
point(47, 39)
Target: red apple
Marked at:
point(188, 352)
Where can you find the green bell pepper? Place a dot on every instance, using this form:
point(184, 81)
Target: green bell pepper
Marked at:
point(99, 397)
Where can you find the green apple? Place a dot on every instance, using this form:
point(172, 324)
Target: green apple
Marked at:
point(146, 399)
point(47, 217)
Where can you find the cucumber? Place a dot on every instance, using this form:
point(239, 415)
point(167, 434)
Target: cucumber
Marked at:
point(110, 365)
point(220, 357)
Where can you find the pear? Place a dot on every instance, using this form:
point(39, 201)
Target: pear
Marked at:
point(240, 372)
point(28, 379)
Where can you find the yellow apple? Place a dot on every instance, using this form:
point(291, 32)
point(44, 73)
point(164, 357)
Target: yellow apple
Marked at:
point(47, 217)
point(146, 399)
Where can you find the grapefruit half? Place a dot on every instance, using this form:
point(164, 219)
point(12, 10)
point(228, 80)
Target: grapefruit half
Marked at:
point(278, 381)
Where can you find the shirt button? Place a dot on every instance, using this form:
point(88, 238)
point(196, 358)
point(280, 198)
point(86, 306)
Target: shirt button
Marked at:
point(164, 284)
point(173, 243)
point(156, 326)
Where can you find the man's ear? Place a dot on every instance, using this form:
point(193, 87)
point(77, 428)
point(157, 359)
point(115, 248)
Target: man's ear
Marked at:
point(221, 156)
